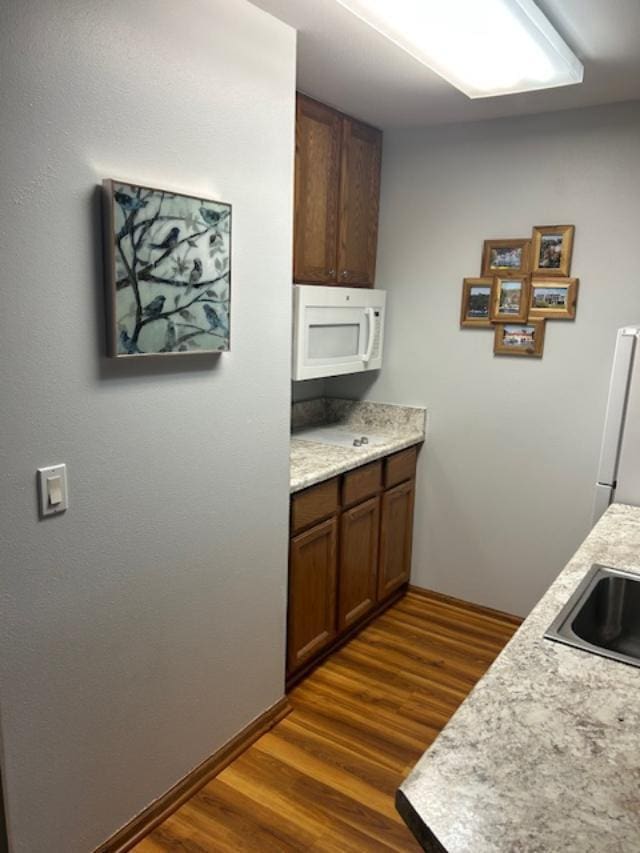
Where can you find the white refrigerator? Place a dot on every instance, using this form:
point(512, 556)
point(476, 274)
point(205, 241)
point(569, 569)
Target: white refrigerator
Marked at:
point(619, 470)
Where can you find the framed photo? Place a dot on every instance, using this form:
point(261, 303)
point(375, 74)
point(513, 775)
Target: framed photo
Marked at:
point(510, 301)
point(506, 256)
point(168, 259)
point(553, 298)
point(477, 294)
point(523, 339)
point(551, 249)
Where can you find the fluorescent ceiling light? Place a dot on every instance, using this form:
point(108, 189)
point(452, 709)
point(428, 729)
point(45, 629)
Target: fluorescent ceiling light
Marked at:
point(482, 47)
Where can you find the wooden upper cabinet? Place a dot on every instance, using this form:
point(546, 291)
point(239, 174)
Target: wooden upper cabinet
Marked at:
point(317, 178)
point(337, 189)
point(359, 202)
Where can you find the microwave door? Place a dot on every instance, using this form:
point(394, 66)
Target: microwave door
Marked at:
point(334, 341)
point(329, 341)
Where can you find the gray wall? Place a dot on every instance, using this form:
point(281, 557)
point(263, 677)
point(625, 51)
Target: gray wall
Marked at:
point(144, 628)
point(308, 389)
point(506, 478)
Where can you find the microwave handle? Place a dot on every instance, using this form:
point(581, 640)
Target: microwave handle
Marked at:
point(372, 334)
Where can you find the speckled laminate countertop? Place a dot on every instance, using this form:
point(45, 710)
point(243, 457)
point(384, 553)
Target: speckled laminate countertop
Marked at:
point(311, 462)
point(544, 755)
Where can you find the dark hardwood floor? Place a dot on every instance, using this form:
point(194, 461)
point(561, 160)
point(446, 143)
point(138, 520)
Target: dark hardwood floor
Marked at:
point(324, 778)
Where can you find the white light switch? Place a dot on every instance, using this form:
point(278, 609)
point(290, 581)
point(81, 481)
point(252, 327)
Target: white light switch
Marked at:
point(54, 490)
point(52, 482)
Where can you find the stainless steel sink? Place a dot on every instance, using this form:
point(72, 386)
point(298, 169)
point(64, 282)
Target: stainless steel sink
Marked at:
point(602, 616)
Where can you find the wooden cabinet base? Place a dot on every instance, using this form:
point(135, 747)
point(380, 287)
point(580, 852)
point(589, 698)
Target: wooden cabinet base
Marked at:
point(359, 534)
point(340, 641)
point(395, 538)
point(312, 592)
point(347, 568)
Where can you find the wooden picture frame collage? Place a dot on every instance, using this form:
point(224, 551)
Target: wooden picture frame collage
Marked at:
point(523, 283)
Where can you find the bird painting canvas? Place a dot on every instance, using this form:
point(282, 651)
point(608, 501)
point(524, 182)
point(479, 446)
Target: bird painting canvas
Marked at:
point(169, 271)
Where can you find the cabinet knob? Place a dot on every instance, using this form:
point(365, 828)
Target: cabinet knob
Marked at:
point(345, 273)
point(331, 273)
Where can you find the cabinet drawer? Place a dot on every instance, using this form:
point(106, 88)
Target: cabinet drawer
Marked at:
point(314, 504)
point(362, 483)
point(399, 467)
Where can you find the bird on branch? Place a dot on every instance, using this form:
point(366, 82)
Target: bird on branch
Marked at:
point(169, 242)
point(196, 273)
point(127, 344)
point(154, 308)
point(128, 202)
point(211, 217)
point(213, 318)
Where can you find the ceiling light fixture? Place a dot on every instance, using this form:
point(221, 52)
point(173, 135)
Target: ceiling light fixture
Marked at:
point(482, 47)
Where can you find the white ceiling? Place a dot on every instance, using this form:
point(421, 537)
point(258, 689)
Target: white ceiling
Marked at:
point(347, 64)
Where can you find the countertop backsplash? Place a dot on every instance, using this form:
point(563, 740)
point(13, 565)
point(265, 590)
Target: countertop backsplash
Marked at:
point(357, 414)
point(312, 461)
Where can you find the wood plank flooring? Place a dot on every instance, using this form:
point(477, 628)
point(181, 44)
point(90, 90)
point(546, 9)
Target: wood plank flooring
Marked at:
point(324, 778)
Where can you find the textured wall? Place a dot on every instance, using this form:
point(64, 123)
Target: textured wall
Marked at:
point(506, 480)
point(145, 627)
point(307, 389)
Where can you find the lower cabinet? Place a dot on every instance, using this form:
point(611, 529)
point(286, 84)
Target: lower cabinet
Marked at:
point(312, 592)
point(350, 552)
point(396, 533)
point(359, 533)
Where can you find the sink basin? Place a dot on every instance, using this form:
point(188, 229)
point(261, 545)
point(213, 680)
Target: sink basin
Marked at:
point(602, 616)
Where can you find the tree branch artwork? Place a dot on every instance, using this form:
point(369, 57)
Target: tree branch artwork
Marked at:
point(169, 277)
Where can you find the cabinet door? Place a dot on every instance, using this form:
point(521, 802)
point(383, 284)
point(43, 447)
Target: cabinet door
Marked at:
point(312, 592)
point(359, 202)
point(396, 530)
point(317, 174)
point(359, 532)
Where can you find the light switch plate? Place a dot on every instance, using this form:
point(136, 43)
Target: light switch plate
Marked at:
point(52, 487)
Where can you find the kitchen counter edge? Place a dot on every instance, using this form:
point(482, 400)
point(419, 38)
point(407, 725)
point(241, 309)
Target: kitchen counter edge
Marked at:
point(540, 755)
point(322, 461)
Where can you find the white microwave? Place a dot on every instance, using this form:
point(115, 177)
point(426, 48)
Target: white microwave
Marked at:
point(336, 330)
